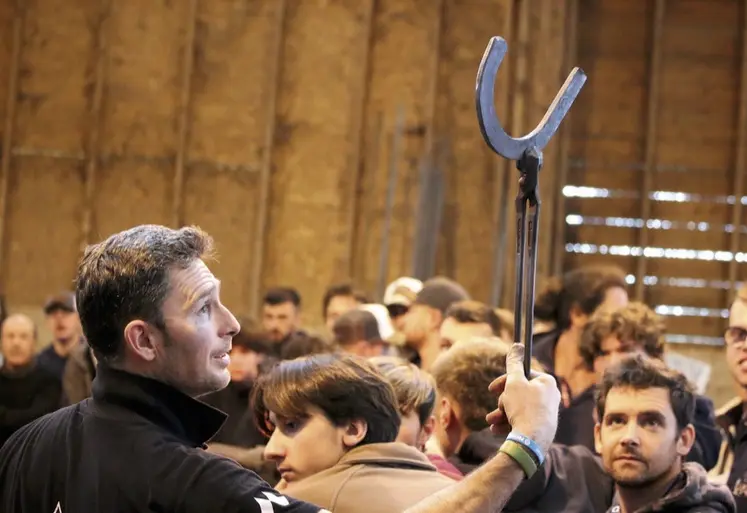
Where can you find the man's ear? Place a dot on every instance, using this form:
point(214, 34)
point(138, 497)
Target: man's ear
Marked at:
point(686, 440)
point(598, 437)
point(445, 413)
point(426, 430)
point(140, 340)
point(435, 317)
point(354, 433)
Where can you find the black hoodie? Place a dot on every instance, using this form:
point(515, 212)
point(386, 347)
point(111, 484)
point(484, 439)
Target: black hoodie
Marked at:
point(571, 480)
point(691, 493)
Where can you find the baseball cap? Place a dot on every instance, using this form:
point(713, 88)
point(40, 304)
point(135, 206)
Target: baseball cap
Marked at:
point(386, 329)
point(440, 293)
point(62, 301)
point(402, 291)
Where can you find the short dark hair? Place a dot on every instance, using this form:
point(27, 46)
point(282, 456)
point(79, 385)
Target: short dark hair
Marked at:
point(635, 323)
point(356, 325)
point(252, 338)
point(126, 277)
point(302, 343)
point(345, 290)
point(474, 312)
point(343, 387)
point(584, 288)
point(280, 295)
point(640, 372)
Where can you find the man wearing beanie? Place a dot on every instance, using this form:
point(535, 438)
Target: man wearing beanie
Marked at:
point(424, 318)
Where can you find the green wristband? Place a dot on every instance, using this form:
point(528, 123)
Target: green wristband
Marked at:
point(520, 456)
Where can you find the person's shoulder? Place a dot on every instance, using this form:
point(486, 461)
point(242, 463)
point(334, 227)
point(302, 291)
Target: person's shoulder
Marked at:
point(210, 482)
point(37, 435)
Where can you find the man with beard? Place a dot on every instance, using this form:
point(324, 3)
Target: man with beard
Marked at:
point(644, 433)
point(152, 312)
point(281, 316)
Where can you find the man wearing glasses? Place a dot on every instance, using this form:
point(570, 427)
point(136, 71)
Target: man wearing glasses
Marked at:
point(732, 418)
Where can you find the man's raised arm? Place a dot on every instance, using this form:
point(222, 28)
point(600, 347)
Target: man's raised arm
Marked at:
point(530, 408)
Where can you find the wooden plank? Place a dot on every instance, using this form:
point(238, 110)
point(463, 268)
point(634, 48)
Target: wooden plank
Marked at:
point(232, 117)
point(502, 171)
point(129, 194)
point(652, 115)
point(740, 160)
point(549, 73)
point(53, 89)
point(401, 63)
point(357, 134)
point(8, 126)
point(559, 213)
point(708, 270)
point(41, 256)
point(188, 59)
point(519, 124)
point(144, 79)
point(307, 215)
point(94, 130)
point(474, 174)
point(263, 203)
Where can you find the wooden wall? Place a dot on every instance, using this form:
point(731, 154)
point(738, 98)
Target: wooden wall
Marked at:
point(269, 124)
point(266, 122)
point(661, 130)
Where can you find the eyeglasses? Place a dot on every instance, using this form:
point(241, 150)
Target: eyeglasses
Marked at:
point(735, 336)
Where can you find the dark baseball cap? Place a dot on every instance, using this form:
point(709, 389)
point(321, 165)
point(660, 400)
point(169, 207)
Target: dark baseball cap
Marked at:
point(62, 301)
point(440, 293)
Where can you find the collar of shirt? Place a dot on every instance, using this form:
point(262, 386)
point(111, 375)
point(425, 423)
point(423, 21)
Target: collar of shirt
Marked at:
point(191, 420)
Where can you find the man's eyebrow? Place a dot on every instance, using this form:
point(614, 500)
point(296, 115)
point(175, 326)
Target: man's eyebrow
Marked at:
point(203, 293)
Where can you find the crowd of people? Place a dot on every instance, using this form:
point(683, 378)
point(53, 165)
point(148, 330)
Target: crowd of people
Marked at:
point(152, 396)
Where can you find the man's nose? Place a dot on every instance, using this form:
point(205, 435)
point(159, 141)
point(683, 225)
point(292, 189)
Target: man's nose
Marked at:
point(229, 324)
point(275, 449)
point(630, 436)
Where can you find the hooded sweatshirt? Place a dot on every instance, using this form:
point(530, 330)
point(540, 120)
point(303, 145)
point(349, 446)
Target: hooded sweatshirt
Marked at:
point(571, 480)
point(690, 493)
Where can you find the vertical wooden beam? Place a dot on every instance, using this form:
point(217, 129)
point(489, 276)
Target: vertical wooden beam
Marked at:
point(432, 124)
point(740, 165)
point(520, 79)
point(503, 171)
point(263, 201)
point(10, 112)
point(358, 134)
point(566, 135)
point(177, 213)
point(654, 73)
point(92, 149)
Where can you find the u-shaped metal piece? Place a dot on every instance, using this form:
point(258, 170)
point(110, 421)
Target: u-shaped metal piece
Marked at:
point(490, 125)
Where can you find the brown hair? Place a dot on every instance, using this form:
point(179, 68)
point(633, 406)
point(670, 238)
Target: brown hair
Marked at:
point(633, 325)
point(302, 343)
point(463, 374)
point(344, 290)
point(583, 288)
point(126, 277)
point(343, 387)
point(474, 312)
point(415, 388)
point(641, 373)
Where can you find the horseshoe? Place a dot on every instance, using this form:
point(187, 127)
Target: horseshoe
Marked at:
point(490, 126)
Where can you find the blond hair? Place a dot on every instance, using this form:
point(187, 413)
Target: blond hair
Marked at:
point(415, 388)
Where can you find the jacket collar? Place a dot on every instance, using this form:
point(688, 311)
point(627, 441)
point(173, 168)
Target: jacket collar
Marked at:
point(185, 417)
point(388, 454)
